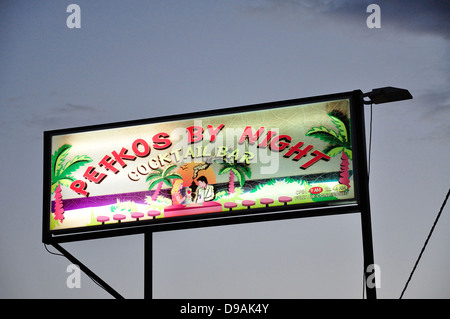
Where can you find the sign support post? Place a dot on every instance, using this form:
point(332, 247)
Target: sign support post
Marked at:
point(368, 253)
point(87, 271)
point(148, 265)
point(366, 224)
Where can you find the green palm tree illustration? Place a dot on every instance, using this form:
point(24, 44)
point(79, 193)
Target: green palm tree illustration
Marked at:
point(340, 142)
point(235, 169)
point(62, 175)
point(160, 177)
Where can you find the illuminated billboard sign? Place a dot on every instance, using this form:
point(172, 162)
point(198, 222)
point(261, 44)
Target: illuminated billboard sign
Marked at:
point(247, 161)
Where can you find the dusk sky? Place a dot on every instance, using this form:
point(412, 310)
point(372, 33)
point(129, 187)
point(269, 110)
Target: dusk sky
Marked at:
point(142, 59)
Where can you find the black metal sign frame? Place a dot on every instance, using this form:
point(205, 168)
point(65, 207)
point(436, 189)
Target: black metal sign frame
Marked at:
point(358, 204)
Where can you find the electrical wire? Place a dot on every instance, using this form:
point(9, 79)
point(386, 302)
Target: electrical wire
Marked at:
point(50, 252)
point(93, 279)
point(364, 284)
point(432, 228)
point(425, 244)
point(370, 141)
point(368, 175)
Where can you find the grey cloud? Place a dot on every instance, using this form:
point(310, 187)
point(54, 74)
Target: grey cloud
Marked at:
point(43, 114)
point(436, 105)
point(433, 108)
point(431, 17)
point(67, 114)
point(74, 108)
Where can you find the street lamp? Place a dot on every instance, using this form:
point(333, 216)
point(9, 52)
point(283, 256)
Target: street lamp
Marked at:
point(376, 96)
point(386, 95)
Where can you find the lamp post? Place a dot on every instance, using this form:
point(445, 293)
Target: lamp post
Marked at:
point(376, 96)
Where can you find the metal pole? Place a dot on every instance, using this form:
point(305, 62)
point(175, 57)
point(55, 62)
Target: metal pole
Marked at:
point(148, 265)
point(364, 198)
point(88, 272)
point(366, 226)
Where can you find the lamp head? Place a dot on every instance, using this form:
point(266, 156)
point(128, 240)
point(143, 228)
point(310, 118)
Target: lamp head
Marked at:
point(386, 95)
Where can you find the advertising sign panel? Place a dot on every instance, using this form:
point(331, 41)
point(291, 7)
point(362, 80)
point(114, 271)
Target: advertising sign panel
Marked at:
point(259, 159)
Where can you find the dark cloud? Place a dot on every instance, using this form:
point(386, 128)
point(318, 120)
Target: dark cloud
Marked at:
point(39, 112)
point(430, 17)
point(436, 105)
point(68, 114)
point(433, 110)
point(73, 108)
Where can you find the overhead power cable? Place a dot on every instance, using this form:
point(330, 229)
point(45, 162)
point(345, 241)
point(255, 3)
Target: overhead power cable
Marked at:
point(425, 244)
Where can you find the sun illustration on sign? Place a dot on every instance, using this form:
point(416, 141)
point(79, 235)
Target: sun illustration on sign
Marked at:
point(190, 172)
